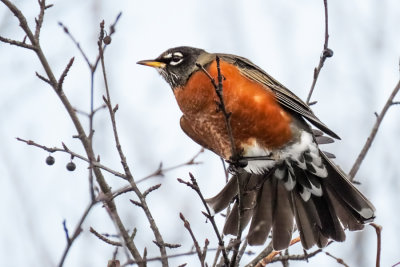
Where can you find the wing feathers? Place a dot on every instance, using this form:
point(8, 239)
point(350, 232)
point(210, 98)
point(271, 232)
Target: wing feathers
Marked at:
point(284, 96)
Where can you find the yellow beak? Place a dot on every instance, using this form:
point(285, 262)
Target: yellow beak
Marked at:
point(152, 63)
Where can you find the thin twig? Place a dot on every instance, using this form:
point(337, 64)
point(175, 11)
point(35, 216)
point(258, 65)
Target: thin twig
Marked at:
point(227, 115)
point(302, 257)
point(326, 52)
point(235, 157)
point(69, 34)
point(186, 224)
point(235, 254)
point(77, 231)
point(221, 104)
point(142, 199)
point(266, 251)
point(228, 210)
point(66, 231)
point(65, 72)
point(268, 259)
point(378, 229)
point(373, 133)
point(241, 252)
point(105, 188)
point(189, 253)
point(205, 249)
point(16, 43)
point(161, 171)
point(338, 260)
point(75, 155)
point(105, 239)
point(39, 20)
point(193, 184)
point(43, 78)
point(151, 189)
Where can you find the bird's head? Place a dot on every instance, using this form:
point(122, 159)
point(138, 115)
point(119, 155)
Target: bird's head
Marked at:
point(176, 64)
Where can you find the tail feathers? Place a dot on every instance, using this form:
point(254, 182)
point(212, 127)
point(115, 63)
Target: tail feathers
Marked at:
point(261, 223)
point(251, 186)
point(283, 218)
point(307, 220)
point(349, 219)
point(224, 197)
point(321, 207)
point(358, 205)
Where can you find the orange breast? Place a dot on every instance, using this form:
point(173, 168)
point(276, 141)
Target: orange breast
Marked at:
point(256, 115)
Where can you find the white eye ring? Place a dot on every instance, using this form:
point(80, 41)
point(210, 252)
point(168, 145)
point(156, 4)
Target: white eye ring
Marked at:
point(174, 63)
point(176, 58)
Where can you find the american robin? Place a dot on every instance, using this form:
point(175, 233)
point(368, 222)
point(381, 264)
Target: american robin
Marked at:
point(287, 178)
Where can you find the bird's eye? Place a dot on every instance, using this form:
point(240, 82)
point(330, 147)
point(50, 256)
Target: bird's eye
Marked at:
point(176, 59)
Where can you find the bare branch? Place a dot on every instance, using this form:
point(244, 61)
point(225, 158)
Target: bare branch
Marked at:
point(235, 157)
point(378, 229)
point(77, 231)
point(161, 171)
point(66, 231)
point(43, 79)
point(87, 144)
point(17, 43)
point(241, 252)
point(326, 52)
point(266, 251)
point(77, 44)
point(193, 184)
point(73, 154)
point(338, 260)
point(373, 133)
point(221, 104)
point(105, 239)
point(142, 199)
point(65, 72)
point(196, 244)
point(151, 189)
point(39, 20)
point(137, 203)
point(303, 257)
point(269, 258)
point(168, 245)
point(189, 253)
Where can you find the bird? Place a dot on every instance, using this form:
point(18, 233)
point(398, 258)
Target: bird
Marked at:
point(287, 181)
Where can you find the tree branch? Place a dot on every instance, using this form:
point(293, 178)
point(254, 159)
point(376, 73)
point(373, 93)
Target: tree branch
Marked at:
point(269, 258)
point(235, 157)
point(77, 231)
point(373, 133)
point(105, 188)
point(73, 154)
point(17, 43)
point(105, 239)
point(195, 243)
point(326, 52)
point(142, 198)
point(378, 229)
point(193, 184)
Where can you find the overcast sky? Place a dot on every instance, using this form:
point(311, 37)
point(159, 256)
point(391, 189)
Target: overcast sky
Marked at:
point(285, 38)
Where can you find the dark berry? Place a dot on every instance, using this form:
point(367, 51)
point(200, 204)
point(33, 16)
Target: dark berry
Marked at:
point(71, 166)
point(107, 40)
point(328, 52)
point(50, 160)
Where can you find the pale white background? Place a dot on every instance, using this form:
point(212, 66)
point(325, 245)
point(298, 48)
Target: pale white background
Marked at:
point(285, 38)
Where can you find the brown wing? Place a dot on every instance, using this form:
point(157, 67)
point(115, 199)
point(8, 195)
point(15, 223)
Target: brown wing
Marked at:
point(284, 96)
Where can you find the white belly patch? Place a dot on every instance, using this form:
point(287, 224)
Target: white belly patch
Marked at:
point(303, 154)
